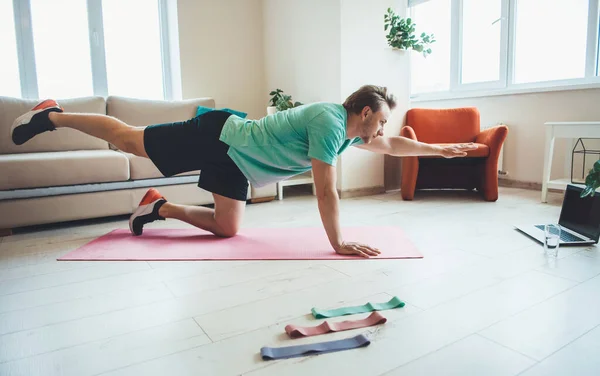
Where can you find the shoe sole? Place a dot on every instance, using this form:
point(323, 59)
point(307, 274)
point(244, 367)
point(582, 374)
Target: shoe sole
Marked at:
point(139, 212)
point(25, 119)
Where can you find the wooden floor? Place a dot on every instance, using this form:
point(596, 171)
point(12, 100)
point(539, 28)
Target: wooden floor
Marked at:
point(483, 300)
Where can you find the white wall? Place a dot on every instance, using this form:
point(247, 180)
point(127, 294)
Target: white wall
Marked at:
point(366, 59)
point(302, 49)
point(323, 50)
point(221, 45)
point(525, 115)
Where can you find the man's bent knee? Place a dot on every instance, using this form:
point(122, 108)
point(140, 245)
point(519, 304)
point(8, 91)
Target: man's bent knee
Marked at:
point(226, 233)
point(226, 230)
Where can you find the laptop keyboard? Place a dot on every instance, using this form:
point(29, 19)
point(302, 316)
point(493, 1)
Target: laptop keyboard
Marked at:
point(564, 236)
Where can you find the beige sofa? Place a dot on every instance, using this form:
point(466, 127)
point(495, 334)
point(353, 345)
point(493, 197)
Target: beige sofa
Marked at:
point(66, 175)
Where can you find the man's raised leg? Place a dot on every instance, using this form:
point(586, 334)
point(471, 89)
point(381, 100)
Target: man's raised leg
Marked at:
point(125, 137)
point(48, 116)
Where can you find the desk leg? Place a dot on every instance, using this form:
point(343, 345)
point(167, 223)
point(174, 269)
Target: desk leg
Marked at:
point(549, 151)
point(279, 191)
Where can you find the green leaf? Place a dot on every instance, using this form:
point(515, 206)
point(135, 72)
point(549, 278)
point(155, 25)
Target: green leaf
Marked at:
point(587, 191)
point(597, 166)
point(591, 178)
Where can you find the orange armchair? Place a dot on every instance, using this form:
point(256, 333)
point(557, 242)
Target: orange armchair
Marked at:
point(478, 170)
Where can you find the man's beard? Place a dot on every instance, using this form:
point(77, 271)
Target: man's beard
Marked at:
point(365, 136)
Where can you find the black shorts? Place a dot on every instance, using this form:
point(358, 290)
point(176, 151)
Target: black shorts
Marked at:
point(194, 145)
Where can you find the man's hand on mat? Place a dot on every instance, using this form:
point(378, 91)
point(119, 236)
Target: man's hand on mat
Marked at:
point(456, 150)
point(357, 249)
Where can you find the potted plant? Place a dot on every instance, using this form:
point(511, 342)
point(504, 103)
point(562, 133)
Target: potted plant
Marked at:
point(401, 34)
point(280, 102)
point(592, 181)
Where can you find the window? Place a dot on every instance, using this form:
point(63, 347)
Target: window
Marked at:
point(74, 48)
point(505, 45)
point(133, 54)
point(432, 73)
point(550, 40)
point(9, 64)
point(481, 36)
point(62, 48)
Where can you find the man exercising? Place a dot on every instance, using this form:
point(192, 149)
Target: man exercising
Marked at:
point(230, 152)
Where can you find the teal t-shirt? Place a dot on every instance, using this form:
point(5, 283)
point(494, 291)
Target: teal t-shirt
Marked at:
point(282, 145)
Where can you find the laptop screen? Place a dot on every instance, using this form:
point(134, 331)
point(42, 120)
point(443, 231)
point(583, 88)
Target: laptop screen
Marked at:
point(581, 215)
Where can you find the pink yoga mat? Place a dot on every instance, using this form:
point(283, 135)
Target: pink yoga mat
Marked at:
point(250, 244)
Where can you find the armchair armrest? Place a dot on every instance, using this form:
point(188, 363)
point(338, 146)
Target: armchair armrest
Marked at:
point(493, 137)
point(408, 132)
point(410, 167)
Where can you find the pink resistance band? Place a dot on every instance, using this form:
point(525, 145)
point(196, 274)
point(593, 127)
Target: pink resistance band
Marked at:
point(294, 331)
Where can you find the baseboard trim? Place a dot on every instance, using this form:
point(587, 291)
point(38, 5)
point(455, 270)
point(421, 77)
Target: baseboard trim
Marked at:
point(370, 191)
point(509, 183)
point(260, 200)
point(5, 232)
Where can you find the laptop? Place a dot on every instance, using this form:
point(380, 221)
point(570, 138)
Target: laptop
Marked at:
point(579, 219)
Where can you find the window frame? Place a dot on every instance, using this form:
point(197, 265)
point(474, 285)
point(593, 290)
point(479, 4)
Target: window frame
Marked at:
point(506, 84)
point(170, 62)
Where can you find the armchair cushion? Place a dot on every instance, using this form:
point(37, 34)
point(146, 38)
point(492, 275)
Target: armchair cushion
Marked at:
point(482, 151)
point(435, 126)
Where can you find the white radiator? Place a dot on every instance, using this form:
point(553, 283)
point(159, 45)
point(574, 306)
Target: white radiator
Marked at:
point(501, 170)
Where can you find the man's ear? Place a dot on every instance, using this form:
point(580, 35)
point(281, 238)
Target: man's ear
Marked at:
point(365, 111)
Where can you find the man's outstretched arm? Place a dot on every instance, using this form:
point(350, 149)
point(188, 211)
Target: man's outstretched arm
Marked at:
point(327, 196)
point(403, 147)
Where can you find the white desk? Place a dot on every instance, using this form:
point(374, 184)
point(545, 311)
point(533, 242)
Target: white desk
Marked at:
point(572, 130)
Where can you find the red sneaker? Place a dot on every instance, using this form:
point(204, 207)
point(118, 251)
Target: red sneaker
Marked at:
point(147, 211)
point(34, 122)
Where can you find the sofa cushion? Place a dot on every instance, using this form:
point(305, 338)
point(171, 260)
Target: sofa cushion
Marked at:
point(143, 168)
point(60, 140)
point(32, 170)
point(142, 112)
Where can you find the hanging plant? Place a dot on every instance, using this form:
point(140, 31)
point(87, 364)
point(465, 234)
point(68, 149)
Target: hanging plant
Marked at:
point(401, 34)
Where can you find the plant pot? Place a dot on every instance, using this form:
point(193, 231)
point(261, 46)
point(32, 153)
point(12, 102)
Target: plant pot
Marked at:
point(271, 110)
point(396, 49)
